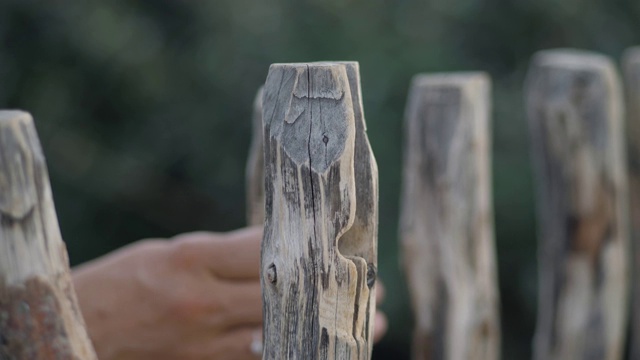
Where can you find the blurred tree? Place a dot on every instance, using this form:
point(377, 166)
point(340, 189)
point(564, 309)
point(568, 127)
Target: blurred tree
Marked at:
point(143, 108)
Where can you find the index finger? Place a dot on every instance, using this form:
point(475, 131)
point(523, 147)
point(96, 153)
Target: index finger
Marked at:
point(232, 256)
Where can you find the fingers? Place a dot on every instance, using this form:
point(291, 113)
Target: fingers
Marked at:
point(239, 258)
point(233, 256)
point(380, 323)
point(380, 326)
point(240, 304)
point(238, 344)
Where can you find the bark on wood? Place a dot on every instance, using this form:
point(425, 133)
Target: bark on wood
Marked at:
point(447, 220)
point(39, 314)
point(631, 68)
point(255, 167)
point(575, 115)
point(319, 248)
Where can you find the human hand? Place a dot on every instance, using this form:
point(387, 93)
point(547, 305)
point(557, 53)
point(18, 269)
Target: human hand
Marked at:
point(194, 297)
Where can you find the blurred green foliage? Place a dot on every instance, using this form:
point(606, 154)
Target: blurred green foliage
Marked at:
point(143, 108)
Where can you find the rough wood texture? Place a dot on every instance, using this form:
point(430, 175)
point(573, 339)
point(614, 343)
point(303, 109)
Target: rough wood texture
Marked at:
point(574, 107)
point(39, 315)
point(319, 248)
point(447, 218)
point(255, 167)
point(631, 69)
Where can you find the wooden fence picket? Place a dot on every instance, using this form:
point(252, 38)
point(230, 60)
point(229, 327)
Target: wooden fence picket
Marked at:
point(574, 106)
point(39, 313)
point(319, 249)
point(446, 222)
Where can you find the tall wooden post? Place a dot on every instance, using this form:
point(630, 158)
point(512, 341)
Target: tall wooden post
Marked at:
point(575, 114)
point(631, 70)
point(39, 314)
point(447, 218)
point(319, 249)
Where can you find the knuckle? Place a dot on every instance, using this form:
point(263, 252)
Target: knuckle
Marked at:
point(193, 306)
point(148, 245)
point(184, 254)
point(185, 307)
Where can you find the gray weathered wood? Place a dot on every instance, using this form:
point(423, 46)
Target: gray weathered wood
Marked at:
point(255, 167)
point(631, 70)
point(319, 249)
point(447, 218)
point(39, 314)
point(575, 114)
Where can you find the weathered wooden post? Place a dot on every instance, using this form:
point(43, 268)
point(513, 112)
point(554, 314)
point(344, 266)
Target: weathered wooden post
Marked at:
point(255, 167)
point(447, 218)
point(39, 314)
point(575, 114)
point(319, 249)
point(631, 70)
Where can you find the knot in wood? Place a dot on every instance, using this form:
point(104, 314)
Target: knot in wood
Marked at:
point(371, 275)
point(272, 275)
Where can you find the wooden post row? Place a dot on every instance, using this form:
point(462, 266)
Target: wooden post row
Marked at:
point(631, 72)
point(575, 114)
point(319, 251)
point(39, 314)
point(446, 223)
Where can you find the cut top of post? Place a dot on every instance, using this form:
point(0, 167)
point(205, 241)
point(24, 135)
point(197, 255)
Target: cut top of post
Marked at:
point(17, 189)
point(450, 79)
point(588, 65)
point(325, 82)
point(573, 59)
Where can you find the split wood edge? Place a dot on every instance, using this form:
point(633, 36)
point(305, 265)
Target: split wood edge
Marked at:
point(446, 222)
point(255, 166)
point(39, 313)
point(319, 252)
point(574, 105)
point(631, 72)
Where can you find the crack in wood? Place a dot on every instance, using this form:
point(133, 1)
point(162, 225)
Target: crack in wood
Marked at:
point(329, 273)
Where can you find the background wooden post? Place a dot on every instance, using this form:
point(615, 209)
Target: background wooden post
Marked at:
point(319, 249)
point(39, 314)
point(447, 218)
point(631, 70)
point(574, 107)
point(255, 167)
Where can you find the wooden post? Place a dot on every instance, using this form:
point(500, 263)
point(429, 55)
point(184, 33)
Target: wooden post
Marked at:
point(39, 314)
point(255, 167)
point(447, 218)
point(631, 69)
point(319, 249)
point(574, 107)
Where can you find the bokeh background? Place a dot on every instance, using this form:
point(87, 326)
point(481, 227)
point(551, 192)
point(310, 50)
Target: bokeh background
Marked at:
point(143, 109)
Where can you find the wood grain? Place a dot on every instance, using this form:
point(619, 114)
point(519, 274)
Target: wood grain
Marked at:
point(575, 114)
point(446, 218)
point(319, 249)
point(631, 72)
point(39, 314)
